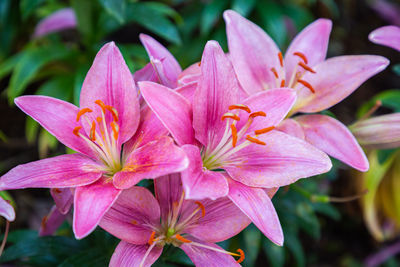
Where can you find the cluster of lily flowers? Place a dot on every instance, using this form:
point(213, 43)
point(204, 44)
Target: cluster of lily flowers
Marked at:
point(218, 139)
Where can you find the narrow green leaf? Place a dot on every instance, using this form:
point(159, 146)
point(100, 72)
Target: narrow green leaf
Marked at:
point(116, 8)
point(274, 253)
point(211, 13)
point(9, 64)
point(88, 258)
point(85, 13)
point(28, 6)
point(244, 7)
point(252, 240)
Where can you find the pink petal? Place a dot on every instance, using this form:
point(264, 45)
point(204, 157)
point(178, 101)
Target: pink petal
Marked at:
point(91, 202)
point(173, 110)
point(52, 222)
point(57, 117)
point(380, 132)
point(110, 81)
point(276, 103)
point(387, 36)
point(190, 74)
point(200, 183)
point(256, 204)
point(217, 90)
point(222, 218)
point(203, 257)
point(152, 160)
point(6, 210)
point(170, 67)
point(253, 53)
point(147, 73)
point(282, 161)
point(60, 20)
point(312, 41)
point(335, 79)
point(63, 198)
point(187, 91)
point(129, 255)
point(150, 129)
point(168, 190)
point(332, 137)
point(291, 127)
point(57, 172)
point(130, 215)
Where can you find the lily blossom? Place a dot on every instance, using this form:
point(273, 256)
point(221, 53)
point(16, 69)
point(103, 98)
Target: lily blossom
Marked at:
point(318, 82)
point(232, 145)
point(387, 36)
point(60, 20)
point(146, 224)
point(108, 118)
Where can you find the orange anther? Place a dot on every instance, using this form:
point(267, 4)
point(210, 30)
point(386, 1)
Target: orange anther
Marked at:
point(241, 259)
point(240, 106)
point(280, 58)
point(307, 68)
point(255, 140)
point(275, 72)
point(199, 64)
point(234, 135)
point(265, 130)
point(302, 56)
point(57, 190)
point(257, 114)
point(134, 222)
point(306, 84)
point(283, 83)
point(76, 130)
point(113, 111)
point(92, 134)
point(101, 104)
point(182, 239)
point(151, 239)
point(99, 119)
point(231, 116)
point(44, 221)
point(115, 129)
point(81, 112)
point(201, 206)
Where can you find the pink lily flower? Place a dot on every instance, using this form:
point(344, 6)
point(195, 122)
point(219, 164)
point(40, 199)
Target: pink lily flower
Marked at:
point(108, 118)
point(232, 146)
point(318, 82)
point(146, 223)
point(387, 36)
point(60, 20)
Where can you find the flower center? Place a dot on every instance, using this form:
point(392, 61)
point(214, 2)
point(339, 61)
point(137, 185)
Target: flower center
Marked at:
point(296, 77)
point(103, 136)
point(232, 140)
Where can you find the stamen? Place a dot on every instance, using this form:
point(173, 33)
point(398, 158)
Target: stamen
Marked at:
point(81, 112)
point(113, 111)
point(201, 206)
point(115, 129)
point(275, 72)
point(280, 58)
point(265, 130)
point(101, 104)
point(306, 84)
point(151, 240)
point(234, 135)
point(240, 106)
point(255, 140)
point(241, 259)
point(257, 114)
point(283, 83)
point(57, 190)
point(92, 134)
point(182, 239)
point(302, 56)
point(307, 68)
point(76, 130)
point(230, 116)
point(99, 119)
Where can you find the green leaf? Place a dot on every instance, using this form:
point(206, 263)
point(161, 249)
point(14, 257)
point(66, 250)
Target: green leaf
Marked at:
point(293, 243)
point(21, 236)
point(385, 154)
point(271, 14)
point(308, 221)
point(46, 142)
point(28, 6)
point(59, 87)
point(327, 210)
point(244, 7)
point(389, 98)
point(89, 257)
point(274, 253)
point(85, 14)
point(153, 20)
point(30, 64)
point(31, 130)
point(80, 75)
point(8, 65)
point(116, 8)
point(211, 13)
point(166, 10)
point(252, 240)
